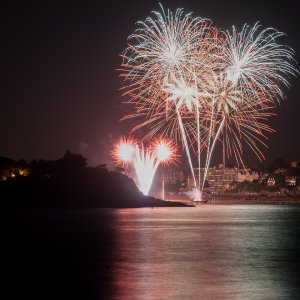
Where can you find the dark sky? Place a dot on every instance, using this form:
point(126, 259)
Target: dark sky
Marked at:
point(59, 87)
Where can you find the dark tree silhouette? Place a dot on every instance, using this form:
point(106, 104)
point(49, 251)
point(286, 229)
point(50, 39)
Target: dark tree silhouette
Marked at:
point(278, 163)
point(69, 183)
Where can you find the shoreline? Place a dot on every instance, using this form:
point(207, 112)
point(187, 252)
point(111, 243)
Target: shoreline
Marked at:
point(242, 200)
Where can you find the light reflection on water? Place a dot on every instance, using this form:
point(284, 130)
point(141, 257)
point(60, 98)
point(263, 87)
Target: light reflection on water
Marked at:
point(208, 252)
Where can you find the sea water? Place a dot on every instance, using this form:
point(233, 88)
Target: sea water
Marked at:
point(204, 252)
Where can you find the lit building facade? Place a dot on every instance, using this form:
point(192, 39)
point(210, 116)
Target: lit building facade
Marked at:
point(291, 180)
point(219, 178)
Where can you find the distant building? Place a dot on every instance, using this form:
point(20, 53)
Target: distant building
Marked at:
point(247, 175)
point(173, 180)
point(217, 178)
point(220, 179)
point(280, 171)
point(263, 178)
point(271, 181)
point(290, 180)
point(172, 176)
point(295, 163)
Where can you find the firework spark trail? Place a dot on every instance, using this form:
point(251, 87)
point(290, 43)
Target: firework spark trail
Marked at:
point(145, 160)
point(210, 151)
point(187, 96)
point(225, 99)
point(161, 47)
point(183, 135)
point(145, 165)
point(176, 64)
point(165, 49)
point(256, 60)
point(209, 141)
point(199, 196)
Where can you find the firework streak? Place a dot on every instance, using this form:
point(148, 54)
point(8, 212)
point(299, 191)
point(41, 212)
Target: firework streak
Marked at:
point(187, 79)
point(144, 160)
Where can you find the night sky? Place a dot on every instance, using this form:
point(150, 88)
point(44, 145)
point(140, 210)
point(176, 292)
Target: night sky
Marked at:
point(59, 84)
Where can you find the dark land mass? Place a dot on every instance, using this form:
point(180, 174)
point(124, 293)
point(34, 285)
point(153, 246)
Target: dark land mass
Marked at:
point(50, 251)
point(69, 183)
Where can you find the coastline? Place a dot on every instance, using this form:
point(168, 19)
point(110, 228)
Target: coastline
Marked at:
point(257, 200)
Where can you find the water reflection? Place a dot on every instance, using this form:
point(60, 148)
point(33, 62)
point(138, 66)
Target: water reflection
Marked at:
point(210, 252)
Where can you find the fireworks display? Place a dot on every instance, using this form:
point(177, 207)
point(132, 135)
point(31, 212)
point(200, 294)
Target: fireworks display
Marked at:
point(124, 151)
point(144, 160)
point(189, 80)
